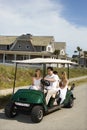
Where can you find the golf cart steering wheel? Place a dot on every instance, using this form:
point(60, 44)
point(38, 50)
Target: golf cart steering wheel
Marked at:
point(45, 82)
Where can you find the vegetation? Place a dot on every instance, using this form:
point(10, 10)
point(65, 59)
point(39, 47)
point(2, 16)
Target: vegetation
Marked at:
point(78, 50)
point(7, 76)
point(57, 53)
point(74, 72)
point(24, 75)
point(79, 82)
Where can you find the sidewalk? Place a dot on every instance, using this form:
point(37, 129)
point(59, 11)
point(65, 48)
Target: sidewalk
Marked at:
point(9, 91)
point(78, 78)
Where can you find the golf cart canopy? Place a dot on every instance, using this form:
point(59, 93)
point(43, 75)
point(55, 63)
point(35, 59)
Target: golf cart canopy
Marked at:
point(44, 61)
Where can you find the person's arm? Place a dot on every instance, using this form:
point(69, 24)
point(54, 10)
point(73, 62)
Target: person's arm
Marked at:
point(65, 82)
point(53, 79)
point(50, 79)
point(32, 80)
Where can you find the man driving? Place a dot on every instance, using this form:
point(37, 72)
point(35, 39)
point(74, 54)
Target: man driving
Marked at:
point(53, 79)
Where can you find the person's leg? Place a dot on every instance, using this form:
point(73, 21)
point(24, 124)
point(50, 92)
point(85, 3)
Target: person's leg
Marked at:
point(63, 95)
point(49, 94)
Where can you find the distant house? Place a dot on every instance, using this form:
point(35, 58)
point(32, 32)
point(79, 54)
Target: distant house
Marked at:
point(28, 46)
point(83, 58)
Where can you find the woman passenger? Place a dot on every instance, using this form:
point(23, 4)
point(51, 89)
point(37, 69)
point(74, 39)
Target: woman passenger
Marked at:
point(63, 86)
point(36, 80)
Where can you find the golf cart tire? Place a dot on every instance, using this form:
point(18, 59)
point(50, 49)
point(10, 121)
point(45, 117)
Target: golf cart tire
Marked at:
point(37, 114)
point(10, 112)
point(71, 103)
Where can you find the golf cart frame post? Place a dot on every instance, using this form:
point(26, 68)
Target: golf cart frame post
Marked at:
point(15, 78)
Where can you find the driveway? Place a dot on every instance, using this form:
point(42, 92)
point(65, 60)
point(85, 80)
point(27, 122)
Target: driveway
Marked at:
point(64, 119)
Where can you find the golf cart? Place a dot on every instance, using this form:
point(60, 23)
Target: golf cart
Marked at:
point(33, 101)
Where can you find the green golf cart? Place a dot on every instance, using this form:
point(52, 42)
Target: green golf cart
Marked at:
point(33, 102)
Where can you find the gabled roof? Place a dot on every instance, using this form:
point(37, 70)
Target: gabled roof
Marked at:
point(7, 40)
point(42, 40)
point(36, 40)
point(59, 45)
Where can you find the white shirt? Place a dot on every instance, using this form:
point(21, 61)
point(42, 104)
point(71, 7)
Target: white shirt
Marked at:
point(53, 85)
point(37, 82)
point(37, 85)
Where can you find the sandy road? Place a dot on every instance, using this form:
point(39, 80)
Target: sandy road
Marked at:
point(64, 119)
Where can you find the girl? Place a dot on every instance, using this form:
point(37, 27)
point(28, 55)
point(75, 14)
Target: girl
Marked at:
point(63, 86)
point(36, 80)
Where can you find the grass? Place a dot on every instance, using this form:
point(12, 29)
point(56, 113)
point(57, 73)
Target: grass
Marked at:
point(79, 82)
point(74, 72)
point(24, 75)
point(7, 76)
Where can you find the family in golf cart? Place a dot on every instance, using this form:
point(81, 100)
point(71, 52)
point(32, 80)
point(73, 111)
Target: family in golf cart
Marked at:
point(55, 84)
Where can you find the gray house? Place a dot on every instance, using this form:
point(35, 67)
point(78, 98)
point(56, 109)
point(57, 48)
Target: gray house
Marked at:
point(28, 46)
point(83, 58)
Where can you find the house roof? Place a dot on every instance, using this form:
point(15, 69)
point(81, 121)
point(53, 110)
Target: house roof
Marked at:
point(42, 40)
point(59, 45)
point(7, 40)
point(36, 40)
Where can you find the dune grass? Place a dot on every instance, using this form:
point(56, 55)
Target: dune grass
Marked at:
point(24, 75)
point(73, 72)
point(79, 82)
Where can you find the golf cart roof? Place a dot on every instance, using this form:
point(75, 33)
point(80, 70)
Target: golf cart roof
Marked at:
point(44, 61)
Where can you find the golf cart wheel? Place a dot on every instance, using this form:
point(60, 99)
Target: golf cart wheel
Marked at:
point(71, 103)
point(37, 114)
point(10, 111)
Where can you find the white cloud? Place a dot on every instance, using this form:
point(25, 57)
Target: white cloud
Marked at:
point(40, 17)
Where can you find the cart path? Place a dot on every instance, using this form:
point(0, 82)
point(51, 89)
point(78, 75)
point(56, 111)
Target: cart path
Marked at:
point(78, 78)
point(64, 119)
point(9, 91)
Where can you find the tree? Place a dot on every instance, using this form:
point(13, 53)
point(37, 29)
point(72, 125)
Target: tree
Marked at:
point(78, 49)
point(57, 52)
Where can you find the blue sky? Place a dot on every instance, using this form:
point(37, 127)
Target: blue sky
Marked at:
point(75, 11)
point(66, 20)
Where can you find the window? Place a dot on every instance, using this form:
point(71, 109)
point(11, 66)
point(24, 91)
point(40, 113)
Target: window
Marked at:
point(62, 52)
point(28, 47)
point(43, 48)
point(49, 49)
point(7, 47)
point(19, 46)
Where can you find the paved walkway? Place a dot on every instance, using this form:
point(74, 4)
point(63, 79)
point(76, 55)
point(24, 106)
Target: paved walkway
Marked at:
point(9, 91)
point(78, 78)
